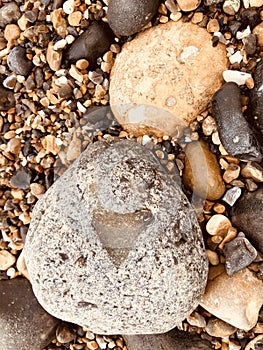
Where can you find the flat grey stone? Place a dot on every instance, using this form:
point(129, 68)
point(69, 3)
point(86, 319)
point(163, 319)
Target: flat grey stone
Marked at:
point(24, 324)
point(173, 340)
point(114, 244)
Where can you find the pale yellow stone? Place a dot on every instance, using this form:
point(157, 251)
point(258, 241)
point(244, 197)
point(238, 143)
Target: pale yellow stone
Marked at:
point(234, 299)
point(6, 260)
point(218, 224)
point(188, 5)
point(53, 57)
point(159, 86)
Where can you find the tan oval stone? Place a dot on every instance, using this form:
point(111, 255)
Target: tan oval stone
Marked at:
point(188, 5)
point(165, 77)
point(202, 173)
point(234, 299)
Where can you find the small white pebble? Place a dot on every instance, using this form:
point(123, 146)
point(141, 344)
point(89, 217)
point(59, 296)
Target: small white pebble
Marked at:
point(48, 18)
point(68, 7)
point(236, 58)
point(11, 272)
point(86, 14)
point(243, 34)
point(81, 108)
point(232, 195)
point(69, 39)
point(60, 44)
point(145, 139)
point(61, 72)
point(236, 139)
point(235, 76)
point(61, 80)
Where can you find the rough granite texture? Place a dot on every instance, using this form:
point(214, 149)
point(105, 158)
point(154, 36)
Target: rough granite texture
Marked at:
point(164, 77)
point(114, 244)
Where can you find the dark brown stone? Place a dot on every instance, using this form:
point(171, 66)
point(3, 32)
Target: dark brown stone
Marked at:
point(24, 324)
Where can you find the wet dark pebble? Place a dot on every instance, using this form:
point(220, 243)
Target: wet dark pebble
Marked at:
point(65, 91)
point(18, 62)
point(173, 340)
point(64, 333)
point(239, 253)
point(250, 44)
point(256, 101)
point(21, 179)
point(250, 17)
point(9, 13)
point(91, 44)
point(247, 215)
point(7, 99)
point(235, 133)
point(24, 324)
point(129, 17)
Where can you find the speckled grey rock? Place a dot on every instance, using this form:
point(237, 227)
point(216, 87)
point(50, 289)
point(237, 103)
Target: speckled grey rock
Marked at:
point(114, 244)
point(129, 17)
point(173, 340)
point(18, 62)
point(24, 325)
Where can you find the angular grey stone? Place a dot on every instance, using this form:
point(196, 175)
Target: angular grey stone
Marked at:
point(247, 215)
point(173, 340)
point(129, 17)
point(24, 324)
point(114, 244)
point(239, 253)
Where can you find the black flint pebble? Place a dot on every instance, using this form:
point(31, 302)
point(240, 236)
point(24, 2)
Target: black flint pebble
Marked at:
point(24, 324)
point(7, 99)
point(18, 62)
point(256, 101)
point(235, 133)
point(129, 17)
point(91, 44)
point(247, 215)
point(239, 253)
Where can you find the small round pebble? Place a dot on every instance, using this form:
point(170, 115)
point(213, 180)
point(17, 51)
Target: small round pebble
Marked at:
point(129, 17)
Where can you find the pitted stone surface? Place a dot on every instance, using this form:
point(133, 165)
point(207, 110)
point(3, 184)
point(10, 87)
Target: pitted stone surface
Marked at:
point(114, 244)
point(165, 77)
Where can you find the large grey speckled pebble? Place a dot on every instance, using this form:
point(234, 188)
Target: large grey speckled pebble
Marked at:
point(18, 62)
point(24, 324)
point(114, 244)
point(173, 340)
point(129, 17)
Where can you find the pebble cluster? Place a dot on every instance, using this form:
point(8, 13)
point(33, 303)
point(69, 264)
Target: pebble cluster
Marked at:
point(52, 106)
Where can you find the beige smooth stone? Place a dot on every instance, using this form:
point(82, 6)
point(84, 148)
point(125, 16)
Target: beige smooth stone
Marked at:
point(165, 77)
point(202, 173)
point(234, 299)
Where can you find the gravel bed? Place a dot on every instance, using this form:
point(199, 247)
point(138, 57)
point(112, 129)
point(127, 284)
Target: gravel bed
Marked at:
point(51, 109)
